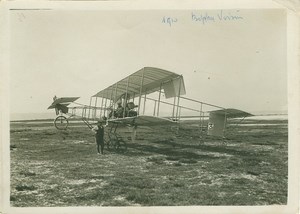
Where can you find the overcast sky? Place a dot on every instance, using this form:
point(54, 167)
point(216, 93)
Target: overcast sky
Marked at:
point(239, 63)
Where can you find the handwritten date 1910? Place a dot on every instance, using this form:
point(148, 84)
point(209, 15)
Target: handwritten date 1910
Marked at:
point(169, 20)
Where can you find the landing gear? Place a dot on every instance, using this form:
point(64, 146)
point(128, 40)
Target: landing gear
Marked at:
point(114, 141)
point(61, 122)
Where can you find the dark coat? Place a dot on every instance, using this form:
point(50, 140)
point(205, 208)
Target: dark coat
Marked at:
point(100, 134)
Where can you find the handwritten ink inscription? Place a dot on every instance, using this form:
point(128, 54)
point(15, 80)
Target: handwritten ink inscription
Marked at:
point(229, 16)
point(203, 18)
point(208, 17)
point(169, 20)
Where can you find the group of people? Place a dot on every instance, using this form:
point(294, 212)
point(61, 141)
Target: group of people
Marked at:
point(119, 111)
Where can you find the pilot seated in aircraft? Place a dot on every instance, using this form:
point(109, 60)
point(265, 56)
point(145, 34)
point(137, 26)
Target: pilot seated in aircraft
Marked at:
point(115, 113)
point(119, 111)
point(129, 110)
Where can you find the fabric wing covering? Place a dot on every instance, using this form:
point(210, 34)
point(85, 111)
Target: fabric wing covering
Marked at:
point(216, 124)
point(63, 100)
point(145, 81)
point(218, 118)
point(232, 113)
point(144, 120)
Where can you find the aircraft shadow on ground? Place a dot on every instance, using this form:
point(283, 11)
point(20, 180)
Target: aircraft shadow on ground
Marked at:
point(182, 150)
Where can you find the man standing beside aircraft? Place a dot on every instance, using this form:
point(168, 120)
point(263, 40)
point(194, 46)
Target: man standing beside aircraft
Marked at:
point(99, 135)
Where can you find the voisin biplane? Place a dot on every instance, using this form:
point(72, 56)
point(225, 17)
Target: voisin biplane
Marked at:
point(150, 96)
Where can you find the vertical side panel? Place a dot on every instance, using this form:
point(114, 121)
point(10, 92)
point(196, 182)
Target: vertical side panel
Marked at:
point(174, 88)
point(169, 89)
point(216, 124)
point(179, 87)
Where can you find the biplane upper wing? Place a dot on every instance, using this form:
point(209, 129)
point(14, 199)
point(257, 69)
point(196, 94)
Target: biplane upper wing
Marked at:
point(63, 100)
point(143, 120)
point(145, 81)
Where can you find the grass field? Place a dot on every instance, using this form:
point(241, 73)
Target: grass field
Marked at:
point(62, 168)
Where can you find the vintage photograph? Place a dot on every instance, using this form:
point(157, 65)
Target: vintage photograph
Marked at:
point(142, 108)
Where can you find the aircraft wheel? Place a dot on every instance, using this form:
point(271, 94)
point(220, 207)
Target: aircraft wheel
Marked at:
point(107, 141)
point(61, 122)
point(121, 146)
point(108, 145)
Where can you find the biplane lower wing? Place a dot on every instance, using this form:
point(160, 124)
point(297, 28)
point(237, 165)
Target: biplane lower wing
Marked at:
point(143, 120)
